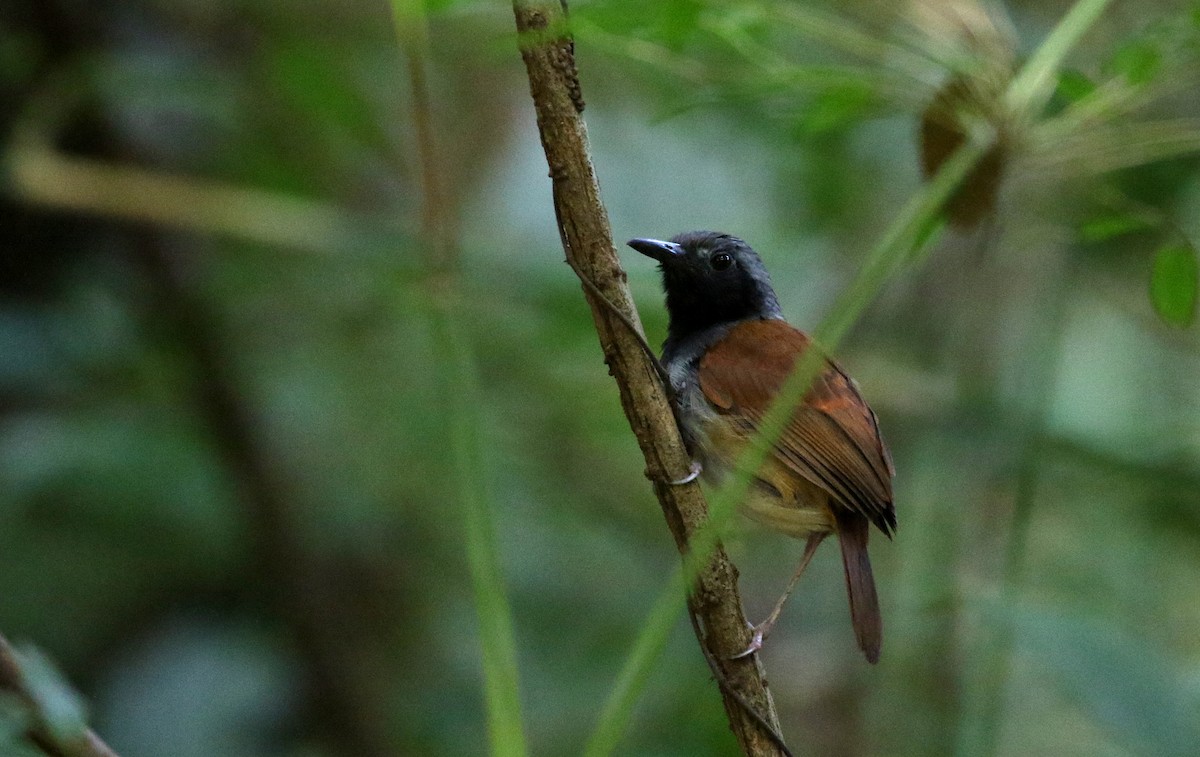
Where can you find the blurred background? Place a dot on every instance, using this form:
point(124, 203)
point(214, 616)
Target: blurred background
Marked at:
point(228, 495)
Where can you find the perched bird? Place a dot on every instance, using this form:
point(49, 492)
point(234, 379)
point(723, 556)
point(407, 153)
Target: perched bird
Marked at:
point(727, 353)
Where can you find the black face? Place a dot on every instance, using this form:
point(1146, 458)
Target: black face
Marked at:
point(710, 279)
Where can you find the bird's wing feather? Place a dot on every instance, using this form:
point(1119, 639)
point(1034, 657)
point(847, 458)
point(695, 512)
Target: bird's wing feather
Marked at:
point(832, 439)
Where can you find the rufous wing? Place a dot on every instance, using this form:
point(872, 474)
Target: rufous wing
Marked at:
point(833, 438)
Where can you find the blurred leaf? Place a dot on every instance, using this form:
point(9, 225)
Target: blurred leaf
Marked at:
point(1126, 685)
point(1173, 284)
point(1074, 86)
point(15, 720)
point(672, 23)
point(312, 78)
point(59, 707)
point(1139, 61)
point(1105, 227)
point(741, 19)
point(196, 686)
point(20, 55)
point(837, 109)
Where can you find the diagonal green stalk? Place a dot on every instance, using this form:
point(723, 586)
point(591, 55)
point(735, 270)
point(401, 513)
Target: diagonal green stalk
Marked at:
point(635, 673)
point(501, 689)
point(1034, 84)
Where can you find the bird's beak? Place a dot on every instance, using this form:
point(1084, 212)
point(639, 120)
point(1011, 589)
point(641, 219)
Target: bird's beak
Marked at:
point(657, 249)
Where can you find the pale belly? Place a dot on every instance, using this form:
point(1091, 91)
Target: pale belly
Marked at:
point(779, 497)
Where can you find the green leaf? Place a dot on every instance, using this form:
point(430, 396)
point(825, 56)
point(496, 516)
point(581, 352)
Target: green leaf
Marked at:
point(837, 109)
point(316, 83)
point(1173, 284)
point(1111, 225)
point(1139, 61)
point(1074, 86)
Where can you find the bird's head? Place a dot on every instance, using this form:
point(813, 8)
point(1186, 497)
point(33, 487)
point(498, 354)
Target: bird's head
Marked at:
point(710, 279)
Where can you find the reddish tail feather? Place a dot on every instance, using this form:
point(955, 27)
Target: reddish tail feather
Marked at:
point(860, 584)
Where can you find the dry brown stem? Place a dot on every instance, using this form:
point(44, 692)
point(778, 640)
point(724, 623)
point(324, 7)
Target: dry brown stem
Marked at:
point(583, 224)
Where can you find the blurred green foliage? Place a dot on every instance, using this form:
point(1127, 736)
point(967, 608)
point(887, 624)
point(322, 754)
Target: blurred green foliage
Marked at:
point(1173, 284)
point(228, 508)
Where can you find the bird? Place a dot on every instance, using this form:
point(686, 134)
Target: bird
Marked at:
point(727, 353)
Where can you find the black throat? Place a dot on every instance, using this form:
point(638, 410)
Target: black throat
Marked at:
point(703, 298)
point(692, 309)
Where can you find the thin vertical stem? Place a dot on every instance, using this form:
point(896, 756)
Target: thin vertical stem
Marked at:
point(501, 688)
point(989, 688)
point(497, 639)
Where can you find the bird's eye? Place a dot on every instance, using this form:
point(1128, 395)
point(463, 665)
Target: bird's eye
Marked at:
point(721, 261)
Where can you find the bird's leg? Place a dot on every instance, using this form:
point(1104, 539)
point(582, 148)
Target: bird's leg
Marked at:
point(760, 631)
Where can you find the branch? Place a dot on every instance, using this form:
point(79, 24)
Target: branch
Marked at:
point(39, 173)
point(587, 241)
point(15, 680)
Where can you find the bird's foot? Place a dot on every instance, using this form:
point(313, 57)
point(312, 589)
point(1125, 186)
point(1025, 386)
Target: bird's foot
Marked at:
point(693, 473)
point(758, 634)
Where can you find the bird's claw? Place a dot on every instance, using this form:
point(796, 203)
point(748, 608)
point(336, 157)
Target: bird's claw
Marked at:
point(693, 473)
point(756, 641)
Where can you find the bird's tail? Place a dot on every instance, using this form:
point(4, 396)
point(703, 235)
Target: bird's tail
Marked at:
point(860, 584)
